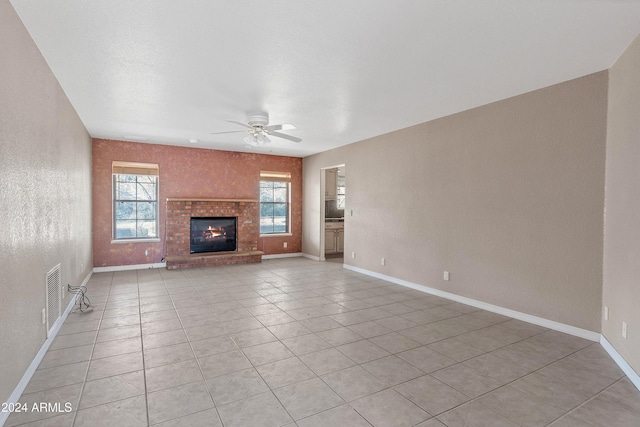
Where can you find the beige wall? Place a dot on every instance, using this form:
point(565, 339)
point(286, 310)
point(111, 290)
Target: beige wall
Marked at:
point(45, 195)
point(621, 285)
point(508, 197)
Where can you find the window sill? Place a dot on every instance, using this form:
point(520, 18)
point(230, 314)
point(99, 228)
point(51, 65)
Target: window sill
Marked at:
point(154, 240)
point(276, 235)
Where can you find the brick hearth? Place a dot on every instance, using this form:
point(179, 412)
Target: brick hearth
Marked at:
point(179, 213)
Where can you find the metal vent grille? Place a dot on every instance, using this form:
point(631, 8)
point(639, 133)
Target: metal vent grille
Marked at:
point(54, 297)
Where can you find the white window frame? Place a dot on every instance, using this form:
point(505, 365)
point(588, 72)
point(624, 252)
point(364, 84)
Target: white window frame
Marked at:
point(283, 177)
point(134, 169)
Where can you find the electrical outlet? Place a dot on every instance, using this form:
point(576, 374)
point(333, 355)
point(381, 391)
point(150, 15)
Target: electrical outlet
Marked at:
point(353, 254)
point(44, 316)
point(446, 275)
point(284, 244)
point(606, 313)
point(382, 261)
point(624, 330)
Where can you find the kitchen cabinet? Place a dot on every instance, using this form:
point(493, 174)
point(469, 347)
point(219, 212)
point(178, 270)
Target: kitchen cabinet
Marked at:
point(331, 184)
point(334, 237)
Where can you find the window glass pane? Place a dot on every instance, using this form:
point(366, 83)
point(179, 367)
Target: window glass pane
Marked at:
point(280, 195)
point(125, 229)
point(266, 209)
point(266, 225)
point(146, 191)
point(146, 210)
point(146, 229)
point(125, 210)
point(125, 191)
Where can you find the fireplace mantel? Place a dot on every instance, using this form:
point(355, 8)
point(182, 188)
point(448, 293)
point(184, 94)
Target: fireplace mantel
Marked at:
point(173, 199)
point(179, 213)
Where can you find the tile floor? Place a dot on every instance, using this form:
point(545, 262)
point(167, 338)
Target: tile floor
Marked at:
point(294, 342)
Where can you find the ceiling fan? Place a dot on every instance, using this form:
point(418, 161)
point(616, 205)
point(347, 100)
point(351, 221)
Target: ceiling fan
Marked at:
point(259, 130)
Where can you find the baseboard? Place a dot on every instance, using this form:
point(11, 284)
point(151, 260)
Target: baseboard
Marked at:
point(275, 256)
point(129, 267)
point(313, 257)
point(24, 381)
point(557, 326)
point(626, 368)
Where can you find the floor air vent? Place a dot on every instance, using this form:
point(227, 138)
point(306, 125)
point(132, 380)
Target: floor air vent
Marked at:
point(54, 297)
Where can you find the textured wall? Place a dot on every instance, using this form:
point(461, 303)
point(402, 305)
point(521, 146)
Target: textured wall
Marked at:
point(186, 173)
point(621, 289)
point(508, 197)
point(45, 195)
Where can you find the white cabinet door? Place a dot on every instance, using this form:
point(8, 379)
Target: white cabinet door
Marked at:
point(331, 184)
point(340, 241)
point(330, 242)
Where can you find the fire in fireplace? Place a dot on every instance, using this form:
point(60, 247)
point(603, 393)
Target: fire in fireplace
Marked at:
point(213, 234)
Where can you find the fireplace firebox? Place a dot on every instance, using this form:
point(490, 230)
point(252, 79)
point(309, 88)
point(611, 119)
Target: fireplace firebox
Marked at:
point(213, 234)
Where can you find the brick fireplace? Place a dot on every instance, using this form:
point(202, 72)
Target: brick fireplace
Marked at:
point(179, 213)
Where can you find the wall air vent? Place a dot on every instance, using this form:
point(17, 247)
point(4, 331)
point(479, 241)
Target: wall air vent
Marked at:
point(54, 297)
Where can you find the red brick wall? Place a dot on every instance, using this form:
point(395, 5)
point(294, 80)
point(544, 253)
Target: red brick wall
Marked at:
point(186, 173)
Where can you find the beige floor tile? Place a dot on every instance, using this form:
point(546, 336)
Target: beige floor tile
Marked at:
point(73, 340)
point(343, 415)
point(285, 372)
point(110, 389)
point(206, 418)
point(253, 337)
point(118, 333)
point(223, 363)
point(176, 402)
point(392, 370)
point(163, 339)
point(473, 414)
point(114, 365)
point(158, 326)
point(388, 408)
point(362, 351)
point(170, 354)
point(339, 336)
point(172, 375)
point(305, 344)
point(353, 383)
point(201, 332)
point(394, 342)
point(267, 353)
point(326, 361)
point(260, 410)
point(431, 395)
point(127, 412)
point(307, 398)
point(66, 356)
point(117, 347)
point(57, 376)
point(235, 386)
point(425, 359)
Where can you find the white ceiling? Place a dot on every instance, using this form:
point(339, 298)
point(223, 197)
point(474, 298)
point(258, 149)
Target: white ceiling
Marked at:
point(340, 70)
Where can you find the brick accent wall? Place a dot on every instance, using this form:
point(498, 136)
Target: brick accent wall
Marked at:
point(179, 213)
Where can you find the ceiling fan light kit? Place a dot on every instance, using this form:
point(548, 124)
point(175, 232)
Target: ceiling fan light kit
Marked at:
point(259, 130)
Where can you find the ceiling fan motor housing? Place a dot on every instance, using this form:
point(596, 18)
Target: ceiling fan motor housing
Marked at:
point(258, 119)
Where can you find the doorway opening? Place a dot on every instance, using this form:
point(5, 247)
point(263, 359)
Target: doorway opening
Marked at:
point(333, 202)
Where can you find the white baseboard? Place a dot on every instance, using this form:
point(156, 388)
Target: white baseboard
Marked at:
point(626, 368)
point(274, 256)
point(557, 326)
point(24, 381)
point(313, 257)
point(129, 267)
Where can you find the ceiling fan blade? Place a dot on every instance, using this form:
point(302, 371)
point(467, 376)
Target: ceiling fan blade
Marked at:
point(241, 124)
point(282, 135)
point(231, 131)
point(284, 126)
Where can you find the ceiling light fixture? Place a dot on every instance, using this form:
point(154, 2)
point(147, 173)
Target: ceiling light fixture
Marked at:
point(193, 140)
point(257, 139)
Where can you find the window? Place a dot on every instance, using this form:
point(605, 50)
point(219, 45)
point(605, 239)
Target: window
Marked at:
point(135, 201)
point(274, 202)
point(340, 196)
